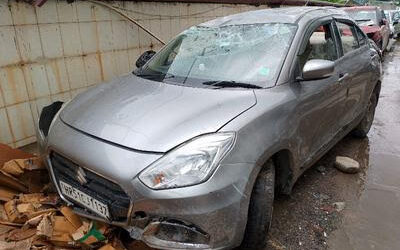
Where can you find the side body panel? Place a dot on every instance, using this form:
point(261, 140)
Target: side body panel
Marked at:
point(295, 116)
point(396, 23)
point(384, 28)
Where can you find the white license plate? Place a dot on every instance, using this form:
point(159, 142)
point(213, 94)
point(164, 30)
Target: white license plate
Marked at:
point(89, 202)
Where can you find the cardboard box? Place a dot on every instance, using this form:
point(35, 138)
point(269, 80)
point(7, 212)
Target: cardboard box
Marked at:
point(19, 234)
point(39, 198)
point(7, 194)
point(62, 225)
point(17, 167)
point(7, 153)
point(45, 227)
point(13, 214)
point(7, 180)
point(71, 217)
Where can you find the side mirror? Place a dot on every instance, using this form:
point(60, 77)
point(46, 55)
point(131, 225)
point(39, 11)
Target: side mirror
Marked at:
point(142, 60)
point(318, 69)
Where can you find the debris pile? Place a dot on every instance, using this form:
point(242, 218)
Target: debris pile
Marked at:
point(33, 217)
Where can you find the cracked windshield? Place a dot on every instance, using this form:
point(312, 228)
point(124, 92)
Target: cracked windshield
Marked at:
point(230, 56)
point(363, 17)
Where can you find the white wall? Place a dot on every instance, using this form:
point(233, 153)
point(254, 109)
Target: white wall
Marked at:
point(59, 50)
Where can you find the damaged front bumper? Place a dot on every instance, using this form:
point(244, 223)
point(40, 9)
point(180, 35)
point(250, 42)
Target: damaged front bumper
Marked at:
point(211, 215)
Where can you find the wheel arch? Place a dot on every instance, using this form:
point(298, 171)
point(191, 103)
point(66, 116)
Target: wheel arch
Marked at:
point(377, 90)
point(283, 163)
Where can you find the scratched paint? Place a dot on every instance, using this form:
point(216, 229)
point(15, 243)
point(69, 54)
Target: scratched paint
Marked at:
point(59, 50)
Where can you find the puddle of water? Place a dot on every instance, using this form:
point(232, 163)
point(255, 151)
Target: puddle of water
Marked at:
point(373, 220)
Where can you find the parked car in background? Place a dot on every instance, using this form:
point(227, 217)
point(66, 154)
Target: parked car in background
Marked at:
point(372, 21)
point(188, 151)
point(393, 16)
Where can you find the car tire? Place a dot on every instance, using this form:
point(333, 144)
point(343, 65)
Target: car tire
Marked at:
point(260, 209)
point(364, 126)
point(380, 45)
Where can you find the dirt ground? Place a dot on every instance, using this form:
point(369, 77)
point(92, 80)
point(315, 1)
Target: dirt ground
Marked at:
point(370, 220)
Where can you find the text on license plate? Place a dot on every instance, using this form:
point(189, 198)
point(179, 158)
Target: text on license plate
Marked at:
point(96, 206)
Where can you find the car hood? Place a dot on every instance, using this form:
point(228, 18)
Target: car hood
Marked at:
point(151, 116)
point(369, 28)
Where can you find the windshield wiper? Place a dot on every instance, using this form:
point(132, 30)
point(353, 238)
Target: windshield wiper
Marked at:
point(363, 20)
point(146, 75)
point(231, 84)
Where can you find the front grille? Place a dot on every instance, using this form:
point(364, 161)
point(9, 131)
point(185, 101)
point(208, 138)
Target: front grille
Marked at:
point(98, 187)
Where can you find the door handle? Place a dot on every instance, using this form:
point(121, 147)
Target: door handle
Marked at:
point(342, 77)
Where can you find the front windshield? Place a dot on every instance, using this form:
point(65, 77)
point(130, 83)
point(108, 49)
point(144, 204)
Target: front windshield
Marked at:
point(249, 54)
point(363, 15)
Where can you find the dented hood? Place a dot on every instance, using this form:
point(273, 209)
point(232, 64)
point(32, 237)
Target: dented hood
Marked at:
point(369, 28)
point(153, 116)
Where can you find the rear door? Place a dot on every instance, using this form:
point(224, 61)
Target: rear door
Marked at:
point(396, 23)
point(385, 29)
point(353, 67)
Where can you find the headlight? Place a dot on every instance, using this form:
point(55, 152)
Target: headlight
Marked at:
point(189, 164)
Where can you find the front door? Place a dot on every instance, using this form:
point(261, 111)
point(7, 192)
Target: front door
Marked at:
point(320, 101)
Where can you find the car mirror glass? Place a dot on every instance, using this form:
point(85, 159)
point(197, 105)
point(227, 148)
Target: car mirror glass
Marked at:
point(318, 69)
point(144, 58)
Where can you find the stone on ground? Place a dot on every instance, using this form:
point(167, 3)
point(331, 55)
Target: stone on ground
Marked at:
point(339, 206)
point(347, 165)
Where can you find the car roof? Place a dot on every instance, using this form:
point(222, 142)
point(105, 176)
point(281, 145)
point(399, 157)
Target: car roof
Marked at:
point(274, 15)
point(362, 8)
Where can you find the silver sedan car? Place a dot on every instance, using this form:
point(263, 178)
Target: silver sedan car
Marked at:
point(189, 149)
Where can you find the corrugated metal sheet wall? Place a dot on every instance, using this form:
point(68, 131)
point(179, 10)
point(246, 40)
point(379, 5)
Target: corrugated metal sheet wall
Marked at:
point(59, 50)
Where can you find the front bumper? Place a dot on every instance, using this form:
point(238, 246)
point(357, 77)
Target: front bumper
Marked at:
point(211, 215)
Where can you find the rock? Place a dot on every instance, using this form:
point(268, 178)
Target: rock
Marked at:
point(347, 165)
point(273, 244)
point(339, 206)
point(324, 197)
point(327, 208)
point(321, 169)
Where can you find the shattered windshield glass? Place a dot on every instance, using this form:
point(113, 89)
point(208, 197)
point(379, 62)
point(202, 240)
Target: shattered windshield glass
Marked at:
point(238, 55)
point(363, 15)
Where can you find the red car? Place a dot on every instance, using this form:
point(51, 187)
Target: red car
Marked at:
point(372, 21)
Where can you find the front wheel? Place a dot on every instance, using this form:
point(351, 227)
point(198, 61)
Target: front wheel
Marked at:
point(260, 209)
point(364, 126)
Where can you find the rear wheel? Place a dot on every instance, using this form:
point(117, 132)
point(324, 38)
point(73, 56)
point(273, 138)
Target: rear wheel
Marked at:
point(260, 209)
point(364, 126)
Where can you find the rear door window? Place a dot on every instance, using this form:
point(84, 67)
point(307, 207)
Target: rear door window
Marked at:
point(348, 37)
point(362, 39)
point(396, 17)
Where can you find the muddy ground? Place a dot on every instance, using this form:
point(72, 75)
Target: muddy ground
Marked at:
point(371, 218)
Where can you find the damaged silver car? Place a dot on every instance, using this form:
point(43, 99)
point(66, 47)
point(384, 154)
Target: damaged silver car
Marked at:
point(189, 150)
